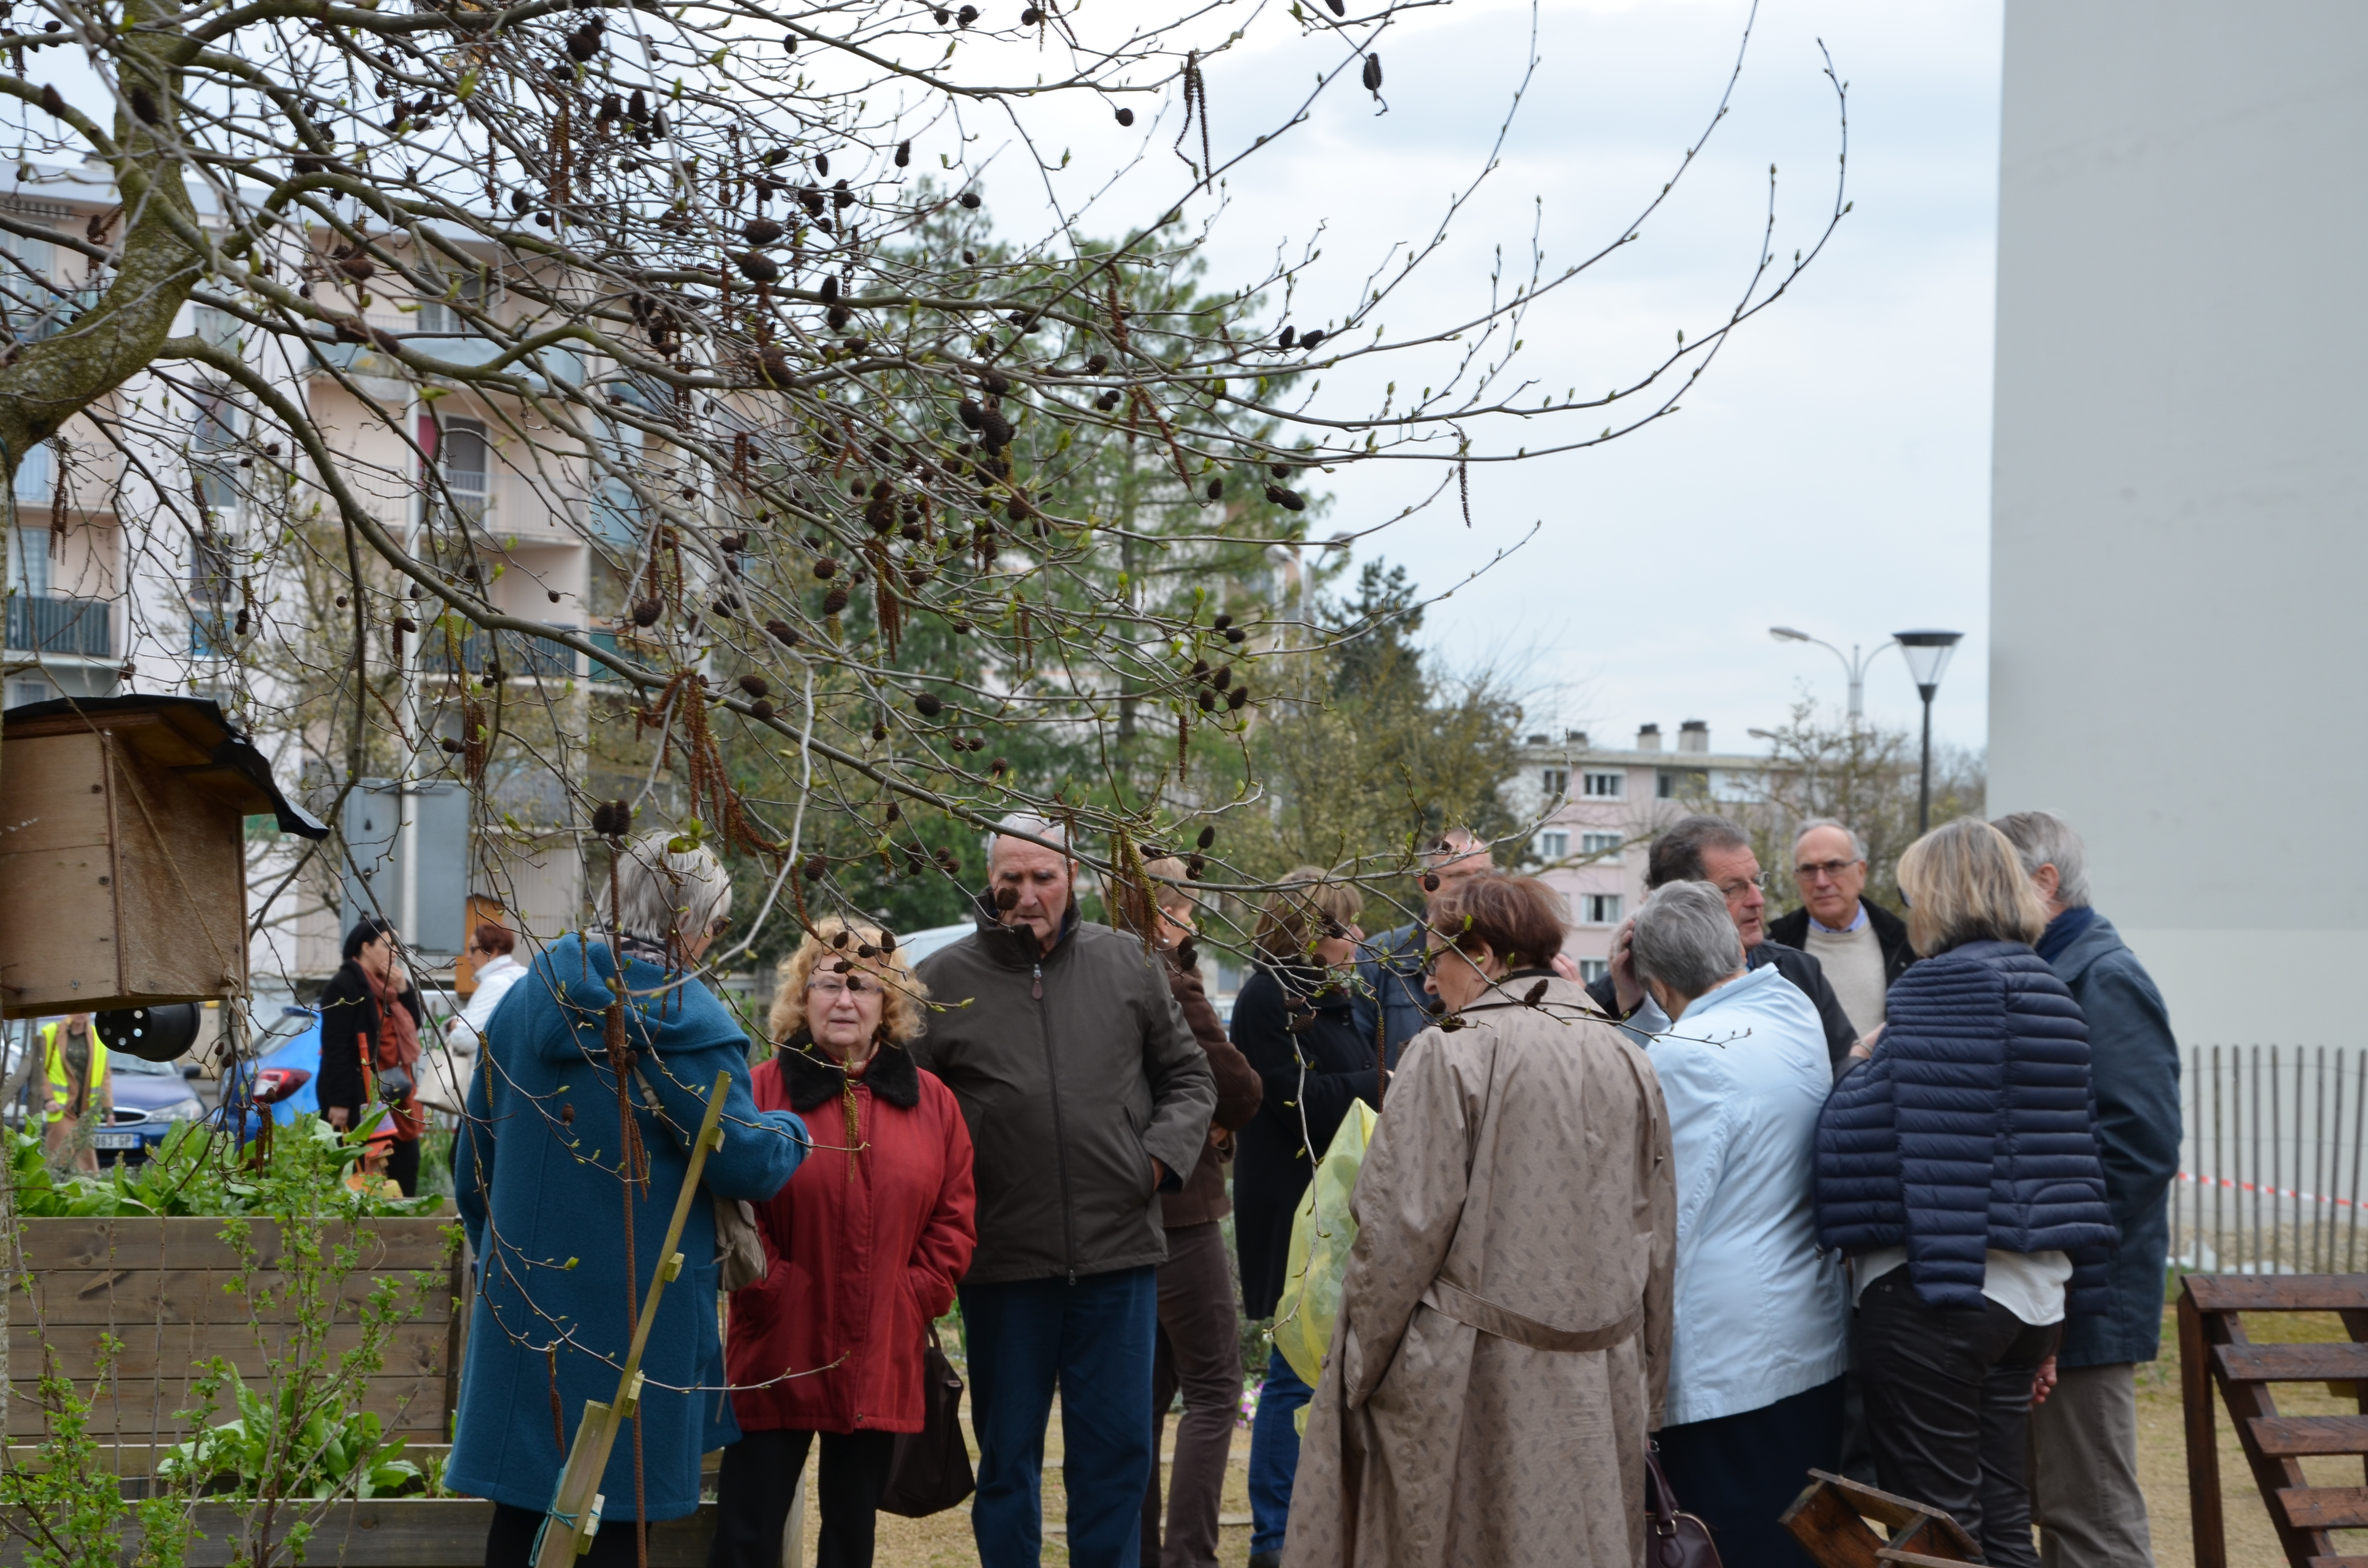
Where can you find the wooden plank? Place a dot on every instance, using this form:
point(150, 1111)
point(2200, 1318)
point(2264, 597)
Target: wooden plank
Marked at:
point(403, 1532)
point(124, 1298)
point(180, 868)
point(2248, 1402)
point(138, 1409)
point(2209, 1530)
point(386, 1244)
point(412, 1347)
point(2311, 1434)
point(2326, 1507)
point(2292, 1363)
point(2278, 1292)
point(1917, 1560)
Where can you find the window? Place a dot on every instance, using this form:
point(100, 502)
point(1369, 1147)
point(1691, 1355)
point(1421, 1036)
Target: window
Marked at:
point(1593, 969)
point(33, 473)
point(214, 428)
point(217, 329)
point(1606, 786)
point(1598, 844)
point(1555, 781)
point(464, 458)
point(1554, 846)
point(28, 562)
point(1673, 782)
point(212, 584)
point(1599, 908)
point(441, 320)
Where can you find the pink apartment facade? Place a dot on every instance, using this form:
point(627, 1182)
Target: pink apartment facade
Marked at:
point(1598, 808)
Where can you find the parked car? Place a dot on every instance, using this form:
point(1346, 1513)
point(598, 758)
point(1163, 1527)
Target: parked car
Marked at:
point(151, 1099)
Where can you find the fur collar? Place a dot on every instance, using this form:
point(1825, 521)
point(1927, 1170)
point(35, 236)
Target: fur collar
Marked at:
point(813, 1078)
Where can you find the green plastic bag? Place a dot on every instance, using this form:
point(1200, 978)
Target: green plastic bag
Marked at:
point(1321, 1234)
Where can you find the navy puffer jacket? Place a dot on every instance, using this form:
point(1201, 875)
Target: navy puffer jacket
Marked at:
point(1974, 1127)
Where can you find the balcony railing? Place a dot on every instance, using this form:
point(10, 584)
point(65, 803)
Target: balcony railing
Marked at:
point(518, 653)
point(42, 623)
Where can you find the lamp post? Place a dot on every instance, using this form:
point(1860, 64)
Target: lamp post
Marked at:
point(1854, 665)
point(1927, 653)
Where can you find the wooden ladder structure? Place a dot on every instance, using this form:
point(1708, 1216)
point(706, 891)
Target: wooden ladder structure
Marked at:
point(2215, 1349)
point(1829, 1520)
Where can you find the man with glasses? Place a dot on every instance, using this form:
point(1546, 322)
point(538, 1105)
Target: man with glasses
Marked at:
point(1714, 850)
point(1862, 946)
point(1391, 1006)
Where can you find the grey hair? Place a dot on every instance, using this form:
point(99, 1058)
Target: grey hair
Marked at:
point(1675, 856)
point(664, 895)
point(1028, 825)
point(1684, 939)
point(1858, 845)
point(2042, 838)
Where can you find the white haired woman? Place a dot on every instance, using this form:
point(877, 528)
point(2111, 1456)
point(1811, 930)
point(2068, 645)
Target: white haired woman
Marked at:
point(864, 1247)
point(567, 1238)
point(1762, 1322)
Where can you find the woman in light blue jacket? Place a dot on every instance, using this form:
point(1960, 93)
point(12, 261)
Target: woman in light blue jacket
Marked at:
point(1762, 1319)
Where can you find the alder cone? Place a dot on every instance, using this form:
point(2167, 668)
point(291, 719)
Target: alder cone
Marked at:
point(763, 232)
point(757, 267)
point(835, 600)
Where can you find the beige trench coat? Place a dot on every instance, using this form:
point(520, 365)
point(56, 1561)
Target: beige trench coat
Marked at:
point(1522, 1159)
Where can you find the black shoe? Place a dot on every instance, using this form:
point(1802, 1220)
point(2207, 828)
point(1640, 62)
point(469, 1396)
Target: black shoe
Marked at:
point(1266, 1560)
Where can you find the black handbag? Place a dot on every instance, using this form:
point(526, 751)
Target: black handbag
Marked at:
point(930, 1470)
point(1675, 1540)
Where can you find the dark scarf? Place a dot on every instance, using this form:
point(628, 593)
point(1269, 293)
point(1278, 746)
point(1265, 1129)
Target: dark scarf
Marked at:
point(2065, 930)
point(811, 1078)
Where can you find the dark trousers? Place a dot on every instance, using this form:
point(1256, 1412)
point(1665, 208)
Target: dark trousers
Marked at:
point(760, 1475)
point(510, 1542)
point(1739, 1472)
point(1093, 1340)
point(403, 1166)
point(1200, 1349)
point(1948, 1409)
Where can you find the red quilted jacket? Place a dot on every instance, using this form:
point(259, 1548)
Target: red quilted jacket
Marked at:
point(861, 1262)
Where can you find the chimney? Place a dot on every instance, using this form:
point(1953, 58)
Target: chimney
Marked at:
point(1693, 736)
point(1576, 739)
point(1648, 737)
point(1539, 740)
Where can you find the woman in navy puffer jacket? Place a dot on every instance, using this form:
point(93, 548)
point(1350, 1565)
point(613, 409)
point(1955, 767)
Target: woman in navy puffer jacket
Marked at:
point(1957, 1167)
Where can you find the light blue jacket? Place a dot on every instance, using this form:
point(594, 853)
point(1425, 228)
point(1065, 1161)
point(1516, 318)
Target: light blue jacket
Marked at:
point(1760, 1316)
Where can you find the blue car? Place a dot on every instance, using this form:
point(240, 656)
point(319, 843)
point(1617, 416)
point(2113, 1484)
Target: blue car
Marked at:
point(151, 1099)
point(293, 1040)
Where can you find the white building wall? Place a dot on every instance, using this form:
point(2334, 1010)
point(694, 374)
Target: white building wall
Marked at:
point(2179, 533)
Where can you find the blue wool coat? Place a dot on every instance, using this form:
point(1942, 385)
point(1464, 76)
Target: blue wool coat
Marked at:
point(536, 1174)
point(2137, 1073)
point(1974, 1127)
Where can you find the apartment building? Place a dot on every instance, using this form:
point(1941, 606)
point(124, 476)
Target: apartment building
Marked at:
point(1598, 808)
point(139, 557)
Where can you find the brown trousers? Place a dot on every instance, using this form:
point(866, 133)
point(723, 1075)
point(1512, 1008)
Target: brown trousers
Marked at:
point(1200, 1349)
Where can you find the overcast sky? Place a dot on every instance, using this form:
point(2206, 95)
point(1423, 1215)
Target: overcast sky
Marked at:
point(1831, 473)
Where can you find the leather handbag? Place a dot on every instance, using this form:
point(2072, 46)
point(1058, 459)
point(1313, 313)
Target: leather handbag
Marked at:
point(930, 1470)
point(1674, 1539)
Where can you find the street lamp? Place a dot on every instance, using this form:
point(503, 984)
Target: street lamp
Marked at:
point(1853, 665)
point(1927, 653)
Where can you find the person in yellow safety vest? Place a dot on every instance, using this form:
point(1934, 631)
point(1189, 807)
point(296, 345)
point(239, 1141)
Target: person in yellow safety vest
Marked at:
point(76, 1062)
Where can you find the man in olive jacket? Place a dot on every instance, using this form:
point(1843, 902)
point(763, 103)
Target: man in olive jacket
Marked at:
point(1087, 1096)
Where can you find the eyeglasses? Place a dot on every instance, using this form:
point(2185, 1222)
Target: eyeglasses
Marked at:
point(1811, 872)
point(837, 985)
point(1737, 888)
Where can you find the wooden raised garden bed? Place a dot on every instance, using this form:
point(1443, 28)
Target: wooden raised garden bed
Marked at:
point(170, 1291)
point(399, 1532)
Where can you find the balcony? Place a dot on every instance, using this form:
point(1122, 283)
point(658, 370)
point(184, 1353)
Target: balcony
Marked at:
point(46, 625)
point(520, 655)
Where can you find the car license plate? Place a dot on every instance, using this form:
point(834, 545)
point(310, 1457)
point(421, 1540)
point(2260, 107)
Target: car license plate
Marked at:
point(115, 1139)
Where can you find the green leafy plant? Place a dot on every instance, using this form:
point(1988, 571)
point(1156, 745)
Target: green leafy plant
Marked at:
point(279, 1447)
point(201, 1169)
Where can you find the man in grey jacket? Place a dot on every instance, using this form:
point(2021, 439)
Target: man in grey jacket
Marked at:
point(1087, 1096)
point(2084, 1496)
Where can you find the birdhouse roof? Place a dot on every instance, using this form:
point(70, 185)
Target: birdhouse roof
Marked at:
point(189, 735)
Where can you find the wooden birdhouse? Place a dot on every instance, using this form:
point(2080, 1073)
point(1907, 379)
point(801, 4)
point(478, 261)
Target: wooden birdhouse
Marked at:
point(123, 852)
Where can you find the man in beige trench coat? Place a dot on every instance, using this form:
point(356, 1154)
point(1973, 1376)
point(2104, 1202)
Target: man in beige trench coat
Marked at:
point(1503, 1343)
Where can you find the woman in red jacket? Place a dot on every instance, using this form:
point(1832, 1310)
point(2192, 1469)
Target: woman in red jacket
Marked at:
point(865, 1244)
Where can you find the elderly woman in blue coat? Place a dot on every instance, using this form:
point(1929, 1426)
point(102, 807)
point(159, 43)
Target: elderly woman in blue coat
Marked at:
point(1958, 1169)
point(566, 1243)
point(1762, 1318)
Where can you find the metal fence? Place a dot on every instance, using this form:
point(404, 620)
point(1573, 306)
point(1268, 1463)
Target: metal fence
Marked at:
point(2270, 1166)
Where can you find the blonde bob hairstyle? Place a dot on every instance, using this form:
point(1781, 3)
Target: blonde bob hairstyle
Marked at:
point(1964, 884)
point(900, 1011)
point(1303, 911)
